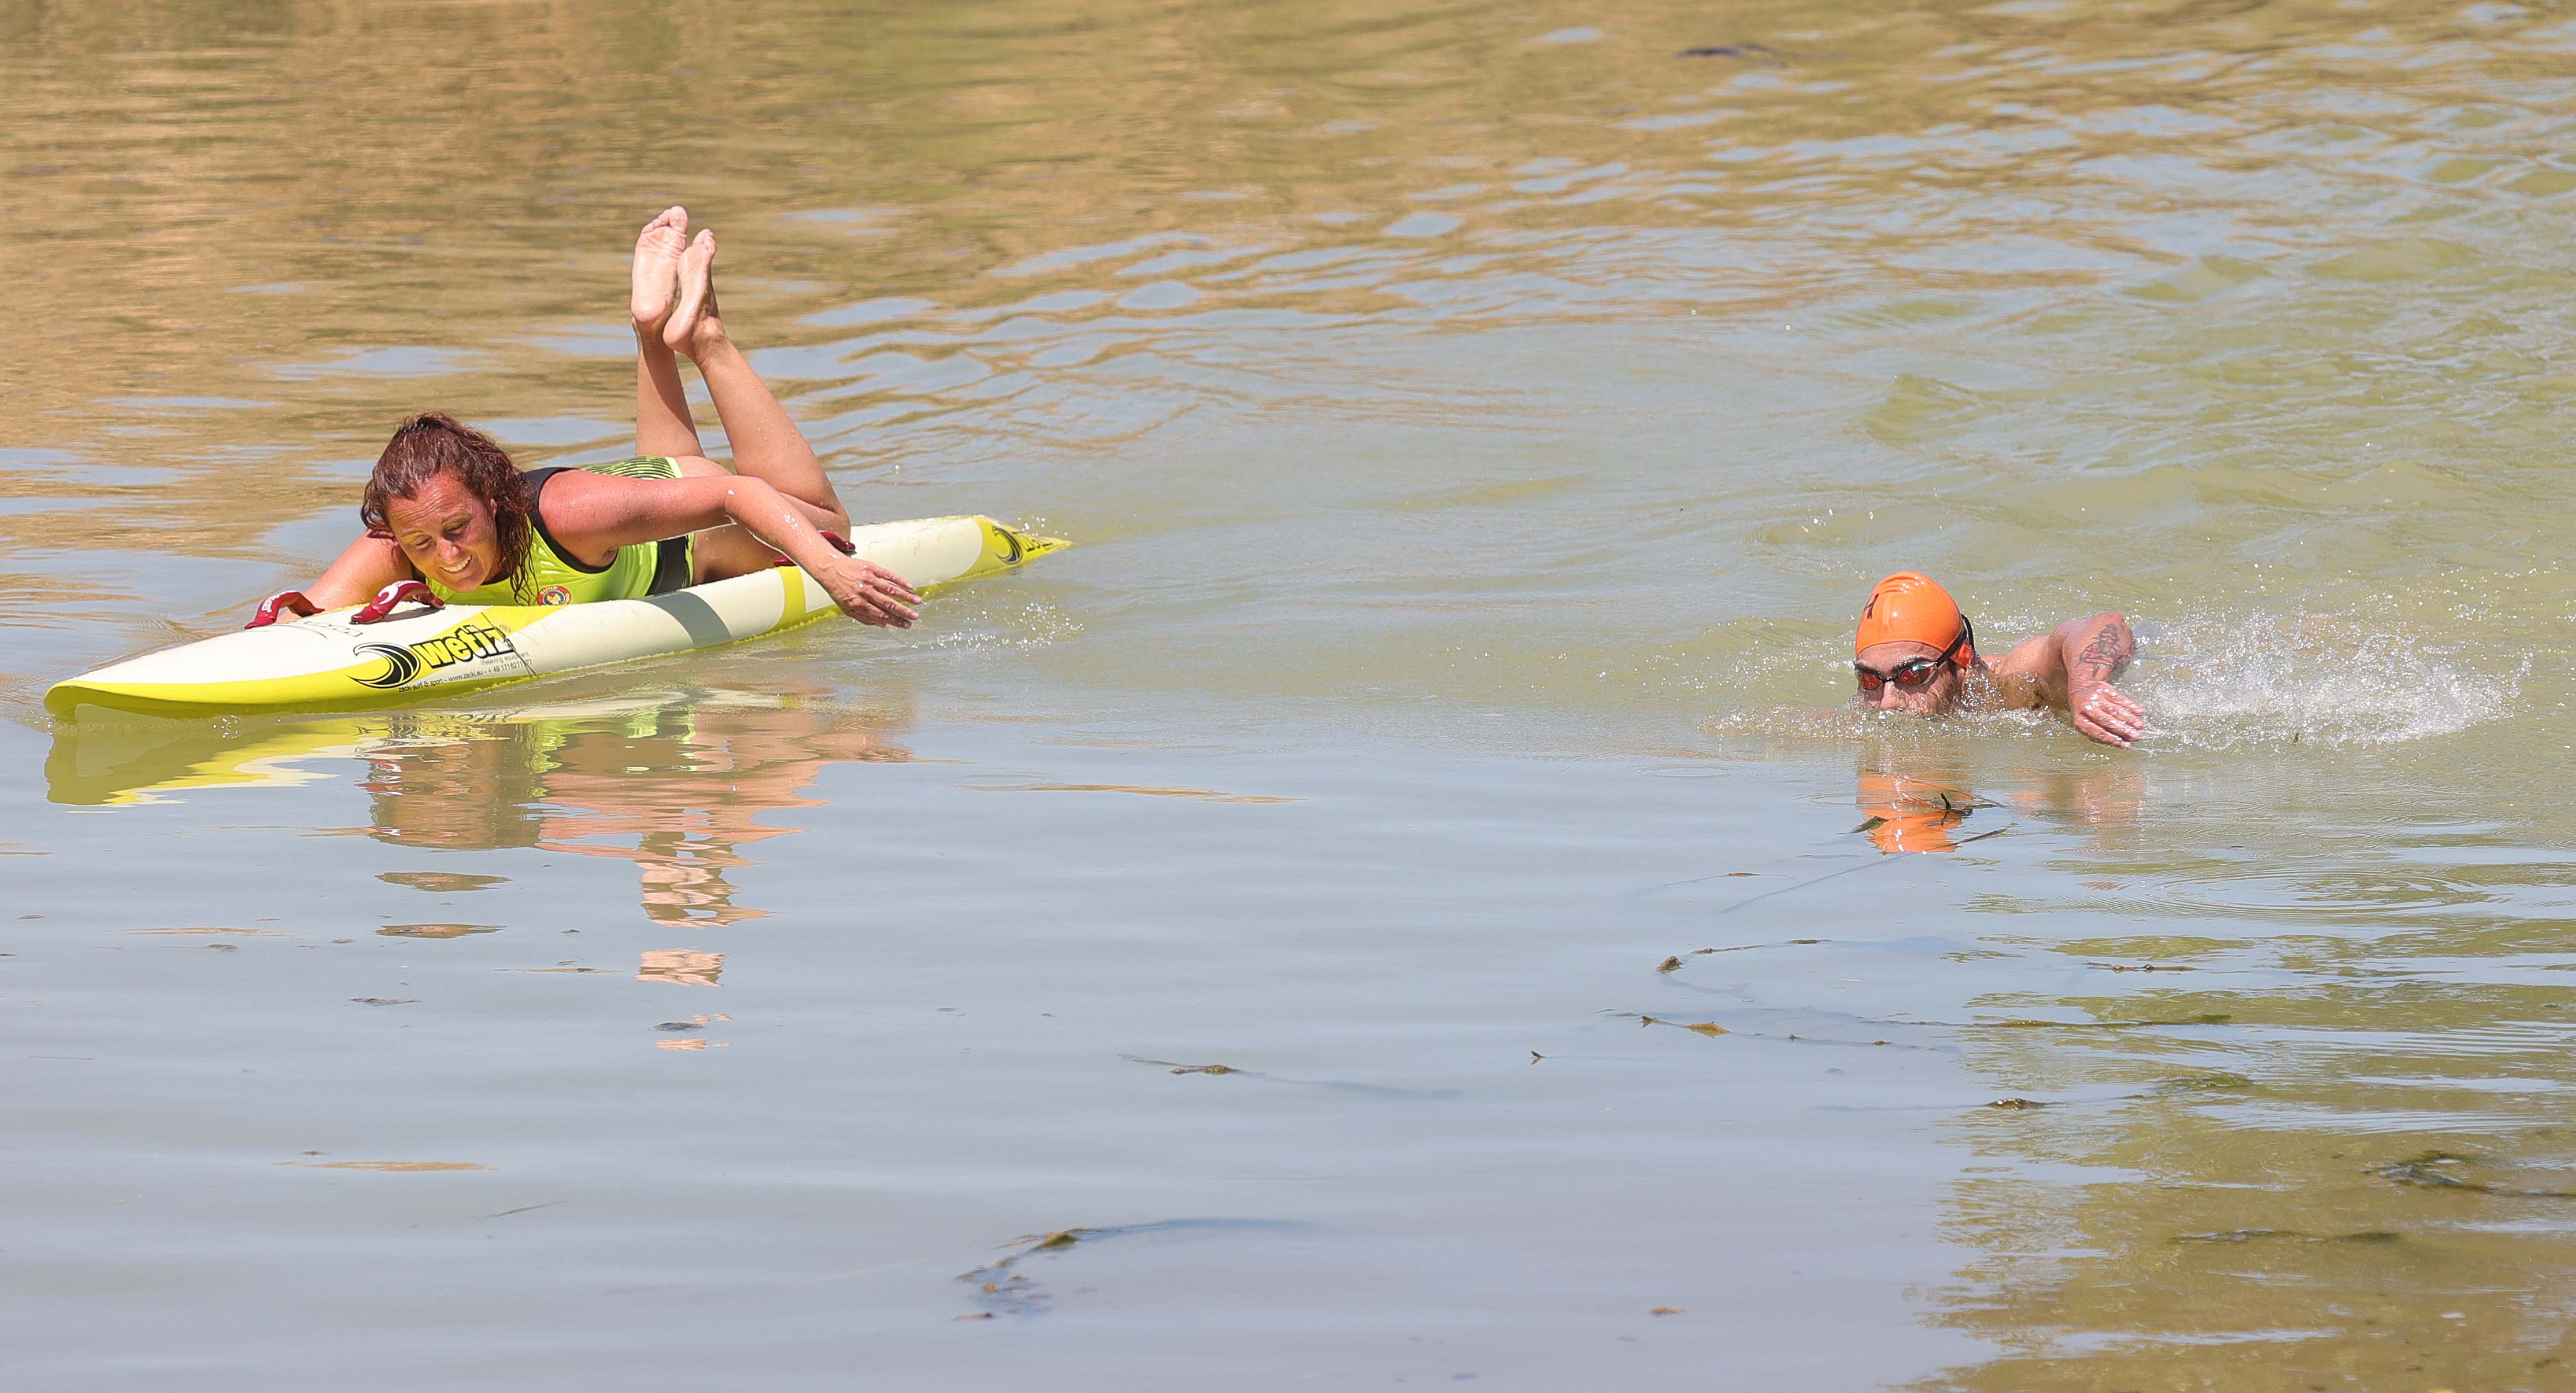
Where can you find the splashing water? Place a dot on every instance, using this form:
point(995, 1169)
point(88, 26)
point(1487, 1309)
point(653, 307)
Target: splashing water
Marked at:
point(994, 627)
point(2228, 682)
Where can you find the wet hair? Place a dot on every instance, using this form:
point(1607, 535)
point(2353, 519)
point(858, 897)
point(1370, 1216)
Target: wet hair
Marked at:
point(434, 443)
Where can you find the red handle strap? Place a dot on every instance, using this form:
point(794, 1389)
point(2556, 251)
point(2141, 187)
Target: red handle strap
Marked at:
point(376, 609)
point(281, 601)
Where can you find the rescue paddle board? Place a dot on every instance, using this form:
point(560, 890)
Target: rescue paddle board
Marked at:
point(327, 662)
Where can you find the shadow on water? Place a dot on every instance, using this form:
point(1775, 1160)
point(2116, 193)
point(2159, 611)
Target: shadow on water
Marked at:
point(674, 782)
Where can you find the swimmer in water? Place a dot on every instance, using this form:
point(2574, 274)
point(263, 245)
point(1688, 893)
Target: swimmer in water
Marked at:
point(447, 509)
point(1916, 652)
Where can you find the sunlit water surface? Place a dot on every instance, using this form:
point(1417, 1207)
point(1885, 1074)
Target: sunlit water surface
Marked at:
point(1389, 899)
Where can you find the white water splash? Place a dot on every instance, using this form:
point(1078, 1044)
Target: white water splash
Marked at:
point(2235, 682)
point(999, 627)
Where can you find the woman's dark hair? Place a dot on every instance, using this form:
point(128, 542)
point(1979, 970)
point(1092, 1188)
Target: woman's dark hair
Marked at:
point(434, 443)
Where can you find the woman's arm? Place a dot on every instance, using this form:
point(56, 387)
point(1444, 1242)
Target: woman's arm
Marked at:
point(2071, 668)
point(594, 514)
point(369, 565)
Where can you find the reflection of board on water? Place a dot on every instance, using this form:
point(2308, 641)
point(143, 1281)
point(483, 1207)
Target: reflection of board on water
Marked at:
point(675, 782)
point(330, 661)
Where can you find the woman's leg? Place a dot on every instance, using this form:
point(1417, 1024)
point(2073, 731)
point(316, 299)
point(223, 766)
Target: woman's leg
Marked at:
point(766, 443)
point(662, 423)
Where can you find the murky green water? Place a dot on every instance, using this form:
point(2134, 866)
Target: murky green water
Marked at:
point(1478, 424)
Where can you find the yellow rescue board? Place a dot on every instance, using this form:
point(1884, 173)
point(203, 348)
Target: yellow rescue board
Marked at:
point(327, 663)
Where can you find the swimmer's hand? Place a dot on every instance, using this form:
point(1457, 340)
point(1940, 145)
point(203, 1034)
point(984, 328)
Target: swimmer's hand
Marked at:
point(868, 592)
point(2106, 713)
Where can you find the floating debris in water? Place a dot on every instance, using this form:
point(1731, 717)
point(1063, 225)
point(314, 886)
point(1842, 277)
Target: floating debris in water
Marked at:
point(386, 1000)
point(1675, 964)
point(2438, 1170)
point(1750, 53)
point(1338, 1085)
point(1007, 1292)
point(390, 1167)
point(1668, 1311)
point(1749, 947)
point(1186, 1068)
point(1711, 1029)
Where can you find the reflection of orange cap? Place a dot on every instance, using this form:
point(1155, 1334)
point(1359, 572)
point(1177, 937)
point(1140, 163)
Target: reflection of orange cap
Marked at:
point(1910, 606)
point(1903, 815)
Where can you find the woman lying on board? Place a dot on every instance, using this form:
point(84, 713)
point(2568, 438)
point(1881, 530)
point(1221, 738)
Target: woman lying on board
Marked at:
point(447, 509)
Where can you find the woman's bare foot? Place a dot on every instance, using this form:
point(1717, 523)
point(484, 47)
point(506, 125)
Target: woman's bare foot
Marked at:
point(657, 266)
point(694, 323)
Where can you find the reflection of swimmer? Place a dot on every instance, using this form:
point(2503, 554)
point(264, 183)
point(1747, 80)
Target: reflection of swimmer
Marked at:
point(1903, 813)
point(1916, 652)
point(2101, 799)
point(1920, 806)
point(681, 966)
point(678, 790)
point(447, 509)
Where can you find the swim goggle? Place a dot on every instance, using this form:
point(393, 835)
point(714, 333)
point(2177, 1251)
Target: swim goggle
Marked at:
point(1915, 673)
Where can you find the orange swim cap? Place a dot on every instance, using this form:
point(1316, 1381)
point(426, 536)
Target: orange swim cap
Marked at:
point(1910, 606)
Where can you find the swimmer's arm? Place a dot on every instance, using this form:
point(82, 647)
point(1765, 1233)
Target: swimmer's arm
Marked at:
point(597, 513)
point(2071, 669)
point(369, 565)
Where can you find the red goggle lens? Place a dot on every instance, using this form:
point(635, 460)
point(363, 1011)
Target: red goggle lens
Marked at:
point(1907, 676)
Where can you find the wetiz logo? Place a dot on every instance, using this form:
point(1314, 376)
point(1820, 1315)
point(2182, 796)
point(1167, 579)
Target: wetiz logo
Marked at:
point(464, 644)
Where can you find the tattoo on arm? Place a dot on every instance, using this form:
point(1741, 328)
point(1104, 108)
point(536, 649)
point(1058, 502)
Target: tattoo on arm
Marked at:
point(2103, 657)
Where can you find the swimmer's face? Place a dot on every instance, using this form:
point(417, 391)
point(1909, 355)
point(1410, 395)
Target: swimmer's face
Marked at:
point(1931, 699)
point(447, 532)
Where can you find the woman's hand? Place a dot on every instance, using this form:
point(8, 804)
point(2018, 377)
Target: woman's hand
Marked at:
point(868, 592)
point(2105, 713)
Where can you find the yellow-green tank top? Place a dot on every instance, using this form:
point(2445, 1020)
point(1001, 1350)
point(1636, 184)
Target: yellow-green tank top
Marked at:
point(637, 570)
